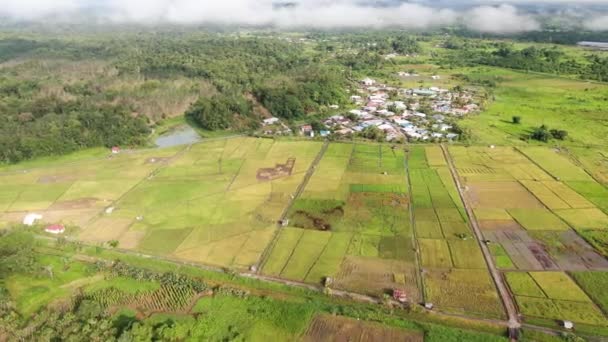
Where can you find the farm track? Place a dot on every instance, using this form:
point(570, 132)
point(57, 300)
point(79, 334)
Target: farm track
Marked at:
point(507, 300)
point(299, 190)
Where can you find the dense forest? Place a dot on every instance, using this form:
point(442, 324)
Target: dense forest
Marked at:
point(106, 88)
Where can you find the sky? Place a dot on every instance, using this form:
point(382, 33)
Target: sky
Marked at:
point(491, 16)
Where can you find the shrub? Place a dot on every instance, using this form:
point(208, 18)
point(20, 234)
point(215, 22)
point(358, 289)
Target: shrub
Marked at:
point(517, 120)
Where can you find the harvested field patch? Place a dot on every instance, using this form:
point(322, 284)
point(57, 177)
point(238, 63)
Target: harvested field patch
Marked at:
point(493, 214)
point(451, 290)
point(538, 219)
point(584, 218)
point(83, 203)
point(75, 217)
point(49, 179)
point(522, 249)
point(508, 195)
point(365, 245)
point(435, 253)
point(105, 229)
point(570, 252)
point(131, 239)
point(499, 225)
point(374, 276)
point(557, 285)
point(342, 329)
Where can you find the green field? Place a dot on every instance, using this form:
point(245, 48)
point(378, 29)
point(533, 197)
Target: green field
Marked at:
point(354, 208)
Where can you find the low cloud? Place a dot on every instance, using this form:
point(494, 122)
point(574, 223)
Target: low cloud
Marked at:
point(597, 24)
point(323, 14)
point(500, 19)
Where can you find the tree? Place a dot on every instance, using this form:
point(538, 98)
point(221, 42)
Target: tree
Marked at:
point(17, 253)
point(517, 120)
point(541, 134)
point(559, 134)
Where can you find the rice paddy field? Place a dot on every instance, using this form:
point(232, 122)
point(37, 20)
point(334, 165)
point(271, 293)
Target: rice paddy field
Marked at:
point(526, 207)
point(351, 223)
point(204, 203)
point(451, 259)
point(556, 296)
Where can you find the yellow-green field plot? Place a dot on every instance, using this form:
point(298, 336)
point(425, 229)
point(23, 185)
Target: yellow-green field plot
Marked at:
point(74, 191)
point(216, 202)
point(210, 205)
point(353, 213)
point(527, 211)
point(449, 254)
point(553, 296)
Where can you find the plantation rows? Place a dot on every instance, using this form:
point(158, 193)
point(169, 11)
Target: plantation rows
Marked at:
point(167, 298)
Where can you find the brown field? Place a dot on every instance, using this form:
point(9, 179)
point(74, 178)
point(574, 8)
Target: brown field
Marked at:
point(105, 229)
point(371, 276)
point(509, 195)
point(342, 329)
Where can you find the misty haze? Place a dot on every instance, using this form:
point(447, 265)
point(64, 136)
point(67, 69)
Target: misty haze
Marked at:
point(304, 170)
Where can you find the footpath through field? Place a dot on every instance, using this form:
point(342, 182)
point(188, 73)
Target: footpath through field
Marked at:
point(498, 280)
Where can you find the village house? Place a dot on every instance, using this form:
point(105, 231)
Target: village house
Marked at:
point(270, 121)
point(55, 229)
point(368, 82)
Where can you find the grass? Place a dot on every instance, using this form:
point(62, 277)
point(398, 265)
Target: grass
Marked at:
point(559, 103)
point(31, 293)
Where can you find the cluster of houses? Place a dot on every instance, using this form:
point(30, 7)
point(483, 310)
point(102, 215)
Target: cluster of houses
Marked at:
point(421, 114)
point(412, 114)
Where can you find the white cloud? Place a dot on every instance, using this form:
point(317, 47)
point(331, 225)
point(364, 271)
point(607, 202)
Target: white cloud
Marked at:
point(419, 14)
point(499, 19)
point(599, 23)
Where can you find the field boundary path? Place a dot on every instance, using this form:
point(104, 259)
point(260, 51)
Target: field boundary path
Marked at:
point(508, 302)
point(294, 196)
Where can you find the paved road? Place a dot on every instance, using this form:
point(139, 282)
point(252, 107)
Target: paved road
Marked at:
point(498, 280)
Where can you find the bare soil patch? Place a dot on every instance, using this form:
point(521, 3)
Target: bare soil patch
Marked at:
point(131, 239)
point(81, 203)
point(524, 251)
point(276, 172)
point(343, 329)
point(50, 179)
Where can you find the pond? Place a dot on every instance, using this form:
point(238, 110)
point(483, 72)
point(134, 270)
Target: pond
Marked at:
point(183, 135)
